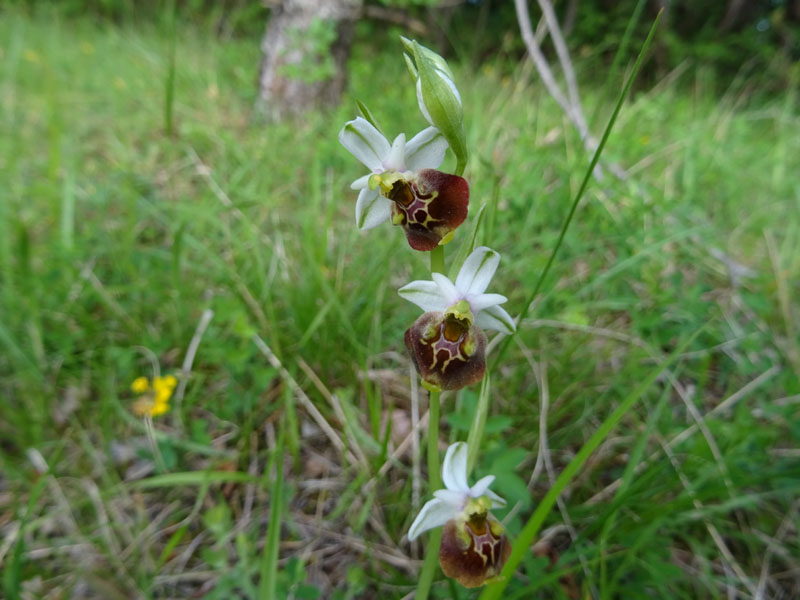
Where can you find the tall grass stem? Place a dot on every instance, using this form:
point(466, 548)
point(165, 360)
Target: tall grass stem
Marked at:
point(523, 542)
point(526, 307)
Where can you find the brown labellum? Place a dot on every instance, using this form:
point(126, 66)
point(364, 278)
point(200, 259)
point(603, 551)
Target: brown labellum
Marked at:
point(446, 351)
point(473, 550)
point(430, 207)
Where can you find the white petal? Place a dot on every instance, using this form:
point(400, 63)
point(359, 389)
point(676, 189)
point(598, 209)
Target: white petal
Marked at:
point(365, 143)
point(497, 501)
point(477, 271)
point(447, 289)
point(484, 301)
point(372, 209)
point(426, 150)
point(434, 514)
point(425, 294)
point(422, 107)
point(454, 469)
point(479, 489)
point(457, 500)
point(495, 318)
point(396, 161)
point(361, 182)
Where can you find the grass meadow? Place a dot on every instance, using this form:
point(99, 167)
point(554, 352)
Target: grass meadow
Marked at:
point(225, 253)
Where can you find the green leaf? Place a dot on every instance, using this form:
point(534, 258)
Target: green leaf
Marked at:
point(369, 116)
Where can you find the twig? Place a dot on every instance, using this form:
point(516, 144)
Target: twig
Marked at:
point(544, 451)
point(304, 399)
point(688, 432)
point(783, 529)
point(712, 530)
point(333, 400)
point(188, 360)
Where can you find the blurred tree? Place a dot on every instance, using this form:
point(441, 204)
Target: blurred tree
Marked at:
point(304, 51)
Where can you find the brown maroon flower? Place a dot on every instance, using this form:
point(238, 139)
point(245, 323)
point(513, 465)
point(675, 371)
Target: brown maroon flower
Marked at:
point(447, 352)
point(474, 549)
point(429, 207)
point(403, 185)
point(447, 343)
point(474, 544)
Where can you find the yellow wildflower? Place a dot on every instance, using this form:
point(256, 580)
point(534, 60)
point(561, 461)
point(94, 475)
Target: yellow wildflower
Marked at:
point(163, 387)
point(154, 401)
point(140, 385)
point(146, 405)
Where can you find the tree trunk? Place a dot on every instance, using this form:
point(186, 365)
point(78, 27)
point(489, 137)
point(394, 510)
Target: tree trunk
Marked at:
point(304, 51)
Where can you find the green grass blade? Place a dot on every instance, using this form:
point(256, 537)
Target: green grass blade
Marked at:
point(267, 589)
point(169, 87)
point(622, 49)
point(12, 573)
point(582, 189)
point(192, 478)
point(528, 534)
point(478, 422)
point(468, 245)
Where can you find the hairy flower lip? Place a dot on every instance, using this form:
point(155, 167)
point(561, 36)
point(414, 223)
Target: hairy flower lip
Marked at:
point(446, 354)
point(472, 554)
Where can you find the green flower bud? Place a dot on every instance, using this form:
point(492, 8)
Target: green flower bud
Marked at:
point(438, 97)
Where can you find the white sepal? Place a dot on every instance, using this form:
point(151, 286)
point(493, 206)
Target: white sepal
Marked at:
point(477, 271)
point(448, 290)
point(426, 150)
point(361, 182)
point(434, 513)
point(496, 318)
point(484, 301)
point(425, 294)
point(480, 487)
point(372, 209)
point(497, 501)
point(365, 142)
point(454, 498)
point(454, 468)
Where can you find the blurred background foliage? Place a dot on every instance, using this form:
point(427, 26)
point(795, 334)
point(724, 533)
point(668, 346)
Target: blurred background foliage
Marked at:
point(753, 38)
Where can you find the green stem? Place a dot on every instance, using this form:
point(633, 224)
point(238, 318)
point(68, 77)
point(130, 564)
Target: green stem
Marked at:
point(429, 566)
point(434, 479)
point(437, 260)
point(461, 165)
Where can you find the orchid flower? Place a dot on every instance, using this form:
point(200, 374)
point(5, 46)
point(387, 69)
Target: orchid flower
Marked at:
point(403, 185)
point(447, 343)
point(474, 545)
